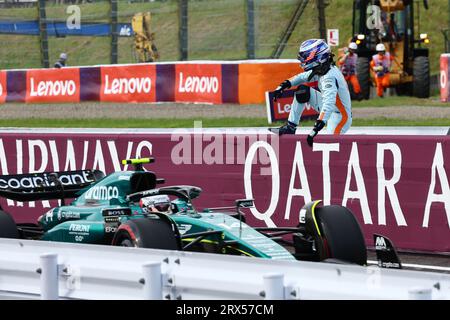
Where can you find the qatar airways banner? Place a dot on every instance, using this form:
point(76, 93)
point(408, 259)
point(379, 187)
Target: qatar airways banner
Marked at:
point(395, 185)
point(243, 82)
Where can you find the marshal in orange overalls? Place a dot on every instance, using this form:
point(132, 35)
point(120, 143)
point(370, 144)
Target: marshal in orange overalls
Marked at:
point(381, 65)
point(347, 65)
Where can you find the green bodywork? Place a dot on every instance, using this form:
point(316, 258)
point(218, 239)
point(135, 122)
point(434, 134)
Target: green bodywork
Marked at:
point(82, 221)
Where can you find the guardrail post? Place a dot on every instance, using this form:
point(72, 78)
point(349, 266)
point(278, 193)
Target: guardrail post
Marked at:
point(152, 281)
point(274, 286)
point(419, 293)
point(49, 276)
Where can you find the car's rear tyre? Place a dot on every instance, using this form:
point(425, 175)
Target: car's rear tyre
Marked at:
point(8, 228)
point(147, 233)
point(341, 234)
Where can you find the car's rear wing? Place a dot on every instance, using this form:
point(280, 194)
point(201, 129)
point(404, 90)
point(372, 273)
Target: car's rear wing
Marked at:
point(47, 185)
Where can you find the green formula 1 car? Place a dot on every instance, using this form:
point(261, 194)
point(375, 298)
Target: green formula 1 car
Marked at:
point(127, 209)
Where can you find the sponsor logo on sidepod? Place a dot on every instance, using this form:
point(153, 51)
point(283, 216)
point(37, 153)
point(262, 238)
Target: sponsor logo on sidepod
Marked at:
point(79, 228)
point(102, 193)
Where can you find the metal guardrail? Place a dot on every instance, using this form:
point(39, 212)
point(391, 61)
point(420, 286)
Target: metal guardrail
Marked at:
point(49, 270)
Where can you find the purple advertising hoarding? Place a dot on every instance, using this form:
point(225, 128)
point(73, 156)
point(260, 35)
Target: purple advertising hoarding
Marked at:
point(395, 185)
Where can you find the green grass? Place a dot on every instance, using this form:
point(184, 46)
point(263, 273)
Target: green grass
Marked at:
point(206, 123)
point(216, 30)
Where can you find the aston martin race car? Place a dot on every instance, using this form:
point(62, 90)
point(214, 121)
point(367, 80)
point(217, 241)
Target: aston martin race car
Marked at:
point(128, 209)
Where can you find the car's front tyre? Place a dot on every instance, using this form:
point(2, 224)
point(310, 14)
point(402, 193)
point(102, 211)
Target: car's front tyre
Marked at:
point(331, 232)
point(146, 233)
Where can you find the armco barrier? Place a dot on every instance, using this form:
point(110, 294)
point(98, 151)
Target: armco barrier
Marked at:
point(215, 82)
point(396, 185)
point(49, 270)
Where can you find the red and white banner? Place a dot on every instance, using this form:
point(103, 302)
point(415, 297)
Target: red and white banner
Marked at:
point(198, 82)
point(3, 86)
point(133, 83)
point(333, 37)
point(395, 185)
point(279, 110)
point(240, 82)
point(53, 85)
point(444, 78)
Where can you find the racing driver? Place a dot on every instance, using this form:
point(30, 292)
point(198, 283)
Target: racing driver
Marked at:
point(332, 100)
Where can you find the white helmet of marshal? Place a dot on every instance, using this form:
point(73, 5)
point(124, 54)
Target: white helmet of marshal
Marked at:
point(353, 46)
point(380, 47)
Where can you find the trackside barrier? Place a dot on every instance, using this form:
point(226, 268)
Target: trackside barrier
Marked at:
point(444, 77)
point(273, 286)
point(49, 276)
point(395, 181)
point(152, 281)
point(76, 271)
point(215, 82)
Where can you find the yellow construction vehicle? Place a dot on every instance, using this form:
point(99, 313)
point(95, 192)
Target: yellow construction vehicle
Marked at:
point(144, 45)
point(395, 23)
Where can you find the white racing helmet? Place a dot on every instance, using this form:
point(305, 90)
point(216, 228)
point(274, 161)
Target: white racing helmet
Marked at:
point(159, 203)
point(313, 53)
point(380, 47)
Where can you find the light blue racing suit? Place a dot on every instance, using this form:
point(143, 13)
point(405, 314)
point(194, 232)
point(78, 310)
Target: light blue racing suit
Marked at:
point(332, 102)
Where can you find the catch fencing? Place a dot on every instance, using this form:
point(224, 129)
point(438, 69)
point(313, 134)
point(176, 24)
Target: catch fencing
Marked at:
point(183, 30)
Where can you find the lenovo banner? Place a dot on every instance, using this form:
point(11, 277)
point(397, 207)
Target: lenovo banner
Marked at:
point(132, 83)
point(53, 85)
point(198, 83)
point(279, 110)
point(3, 86)
point(395, 185)
point(215, 82)
point(444, 78)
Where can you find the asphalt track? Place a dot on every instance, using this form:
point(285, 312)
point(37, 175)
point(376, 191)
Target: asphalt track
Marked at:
point(97, 110)
point(419, 261)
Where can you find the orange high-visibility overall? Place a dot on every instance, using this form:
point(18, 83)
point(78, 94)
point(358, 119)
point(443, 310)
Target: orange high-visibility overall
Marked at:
point(381, 65)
